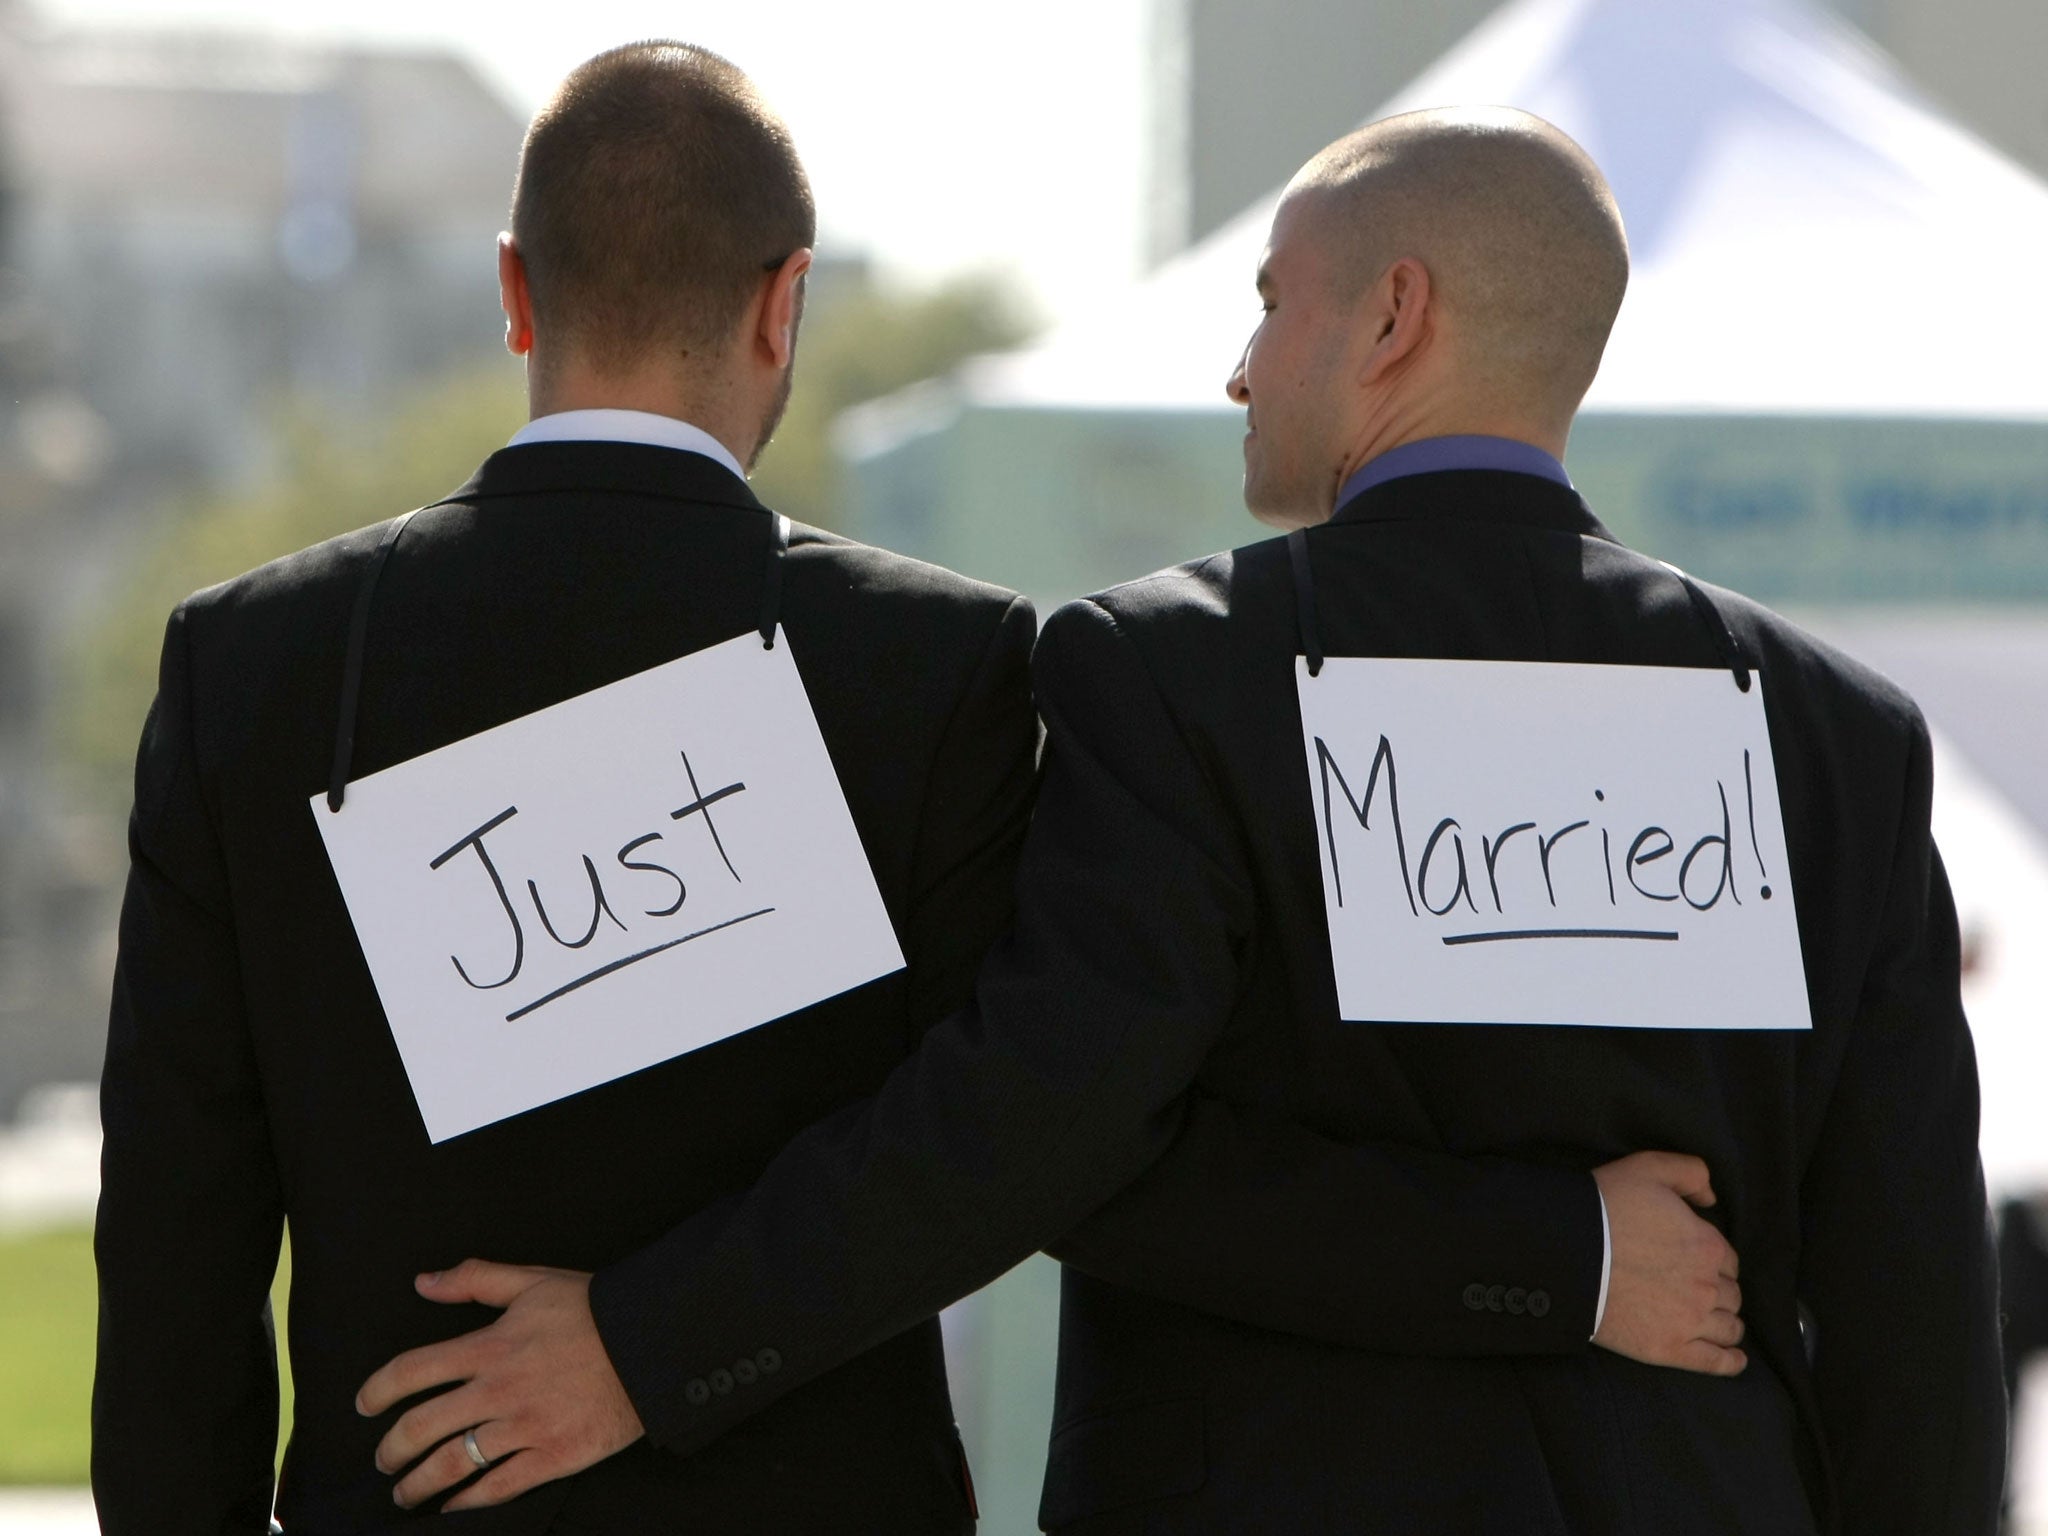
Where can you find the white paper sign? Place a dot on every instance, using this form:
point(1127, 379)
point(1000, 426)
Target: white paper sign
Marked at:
point(607, 883)
point(1532, 843)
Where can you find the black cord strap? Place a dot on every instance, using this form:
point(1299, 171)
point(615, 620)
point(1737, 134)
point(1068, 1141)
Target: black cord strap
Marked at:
point(359, 631)
point(1305, 600)
point(352, 667)
point(1732, 656)
point(771, 597)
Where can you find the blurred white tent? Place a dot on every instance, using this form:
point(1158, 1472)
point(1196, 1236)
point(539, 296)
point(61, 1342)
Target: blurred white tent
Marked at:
point(1808, 235)
point(1829, 381)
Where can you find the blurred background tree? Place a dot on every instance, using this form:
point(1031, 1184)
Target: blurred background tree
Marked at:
point(331, 475)
point(860, 340)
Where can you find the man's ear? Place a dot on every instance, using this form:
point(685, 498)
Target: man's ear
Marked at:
point(782, 305)
point(514, 298)
point(1397, 318)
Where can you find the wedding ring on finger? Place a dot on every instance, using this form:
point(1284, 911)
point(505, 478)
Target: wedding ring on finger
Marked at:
point(475, 1453)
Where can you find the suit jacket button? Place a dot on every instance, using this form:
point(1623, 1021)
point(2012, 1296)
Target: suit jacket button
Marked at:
point(1516, 1301)
point(745, 1372)
point(769, 1361)
point(697, 1392)
point(1496, 1298)
point(1539, 1303)
point(1475, 1297)
point(721, 1381)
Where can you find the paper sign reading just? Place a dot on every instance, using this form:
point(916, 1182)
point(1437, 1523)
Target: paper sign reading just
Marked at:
point(607, 883)
point(1537, 843)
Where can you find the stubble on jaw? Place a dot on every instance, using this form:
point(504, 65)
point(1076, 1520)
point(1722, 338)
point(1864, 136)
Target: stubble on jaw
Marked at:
point(780, 403)
point(773, 417)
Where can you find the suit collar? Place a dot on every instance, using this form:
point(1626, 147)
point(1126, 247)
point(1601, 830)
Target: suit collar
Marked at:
point(633, 469)
point(1475, 496)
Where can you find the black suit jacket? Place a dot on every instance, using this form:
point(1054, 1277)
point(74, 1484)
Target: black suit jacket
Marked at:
point(251, 1078)
point(1270, 1329)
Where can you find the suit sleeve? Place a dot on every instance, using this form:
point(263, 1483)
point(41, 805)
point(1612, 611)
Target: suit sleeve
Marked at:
point(184, 1408)
point(1898, 1270)
point(1256, 1218)
point(976, 810)
point(1019, 1114)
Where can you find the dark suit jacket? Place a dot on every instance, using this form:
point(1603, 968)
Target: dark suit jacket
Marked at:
point(251, 1078)
point(1271, 1329)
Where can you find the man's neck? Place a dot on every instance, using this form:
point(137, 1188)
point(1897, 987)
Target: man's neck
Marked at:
point(1551, 439)
point(708, 409)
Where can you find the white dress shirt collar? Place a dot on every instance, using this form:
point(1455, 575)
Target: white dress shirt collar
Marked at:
point(610, 426)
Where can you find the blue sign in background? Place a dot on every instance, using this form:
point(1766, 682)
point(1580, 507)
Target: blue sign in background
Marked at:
point(1800, 511)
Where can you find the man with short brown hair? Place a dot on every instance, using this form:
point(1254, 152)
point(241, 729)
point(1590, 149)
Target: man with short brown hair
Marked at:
point(654, 189)
point(653, 280)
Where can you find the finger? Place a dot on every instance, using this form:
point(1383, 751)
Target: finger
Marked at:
point(1727, 1296)
point(451, 1463)
point(427, 1424)
point(417, 1370)
point(479, 1280)
point(507, 1480)
point(1722, 1328)
point(448, 1465)
point(1731, 1262)
point(1707, 1359)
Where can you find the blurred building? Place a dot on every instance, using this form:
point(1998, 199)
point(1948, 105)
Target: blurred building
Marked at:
point(244, 216)
point(195, 229)
point(1241, 95)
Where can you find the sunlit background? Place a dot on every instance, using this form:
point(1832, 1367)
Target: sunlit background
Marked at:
point(247, 299)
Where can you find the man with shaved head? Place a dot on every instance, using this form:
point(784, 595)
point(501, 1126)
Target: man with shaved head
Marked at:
point(1491, 235)
point(1365, 1287)
point(1438, 289)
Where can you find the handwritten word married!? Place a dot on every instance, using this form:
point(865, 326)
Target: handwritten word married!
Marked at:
point(1648, 845)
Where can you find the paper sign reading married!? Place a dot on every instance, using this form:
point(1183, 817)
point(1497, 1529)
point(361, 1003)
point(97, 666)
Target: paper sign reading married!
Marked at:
point(1533, 843)
point(607, 883)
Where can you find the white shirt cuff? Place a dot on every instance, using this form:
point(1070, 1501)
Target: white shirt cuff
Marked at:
point(1606, 1262)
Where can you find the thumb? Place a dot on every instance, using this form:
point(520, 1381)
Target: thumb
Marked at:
point(1686, 1177)
point(478, 1280)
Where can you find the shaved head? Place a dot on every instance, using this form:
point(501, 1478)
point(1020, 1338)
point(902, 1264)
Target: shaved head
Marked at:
point(1513, 222)
point(1438, 274)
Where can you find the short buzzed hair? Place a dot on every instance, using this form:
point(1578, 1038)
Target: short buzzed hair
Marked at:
point(1514, 222)
point(656, 190)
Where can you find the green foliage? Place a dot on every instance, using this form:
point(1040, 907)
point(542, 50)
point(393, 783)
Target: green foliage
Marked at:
point(47, 1323)
point(46, 1338)
point(859, 342)
point(331, 477)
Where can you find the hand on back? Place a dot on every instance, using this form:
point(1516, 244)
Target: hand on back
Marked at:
point(1672, 1297)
